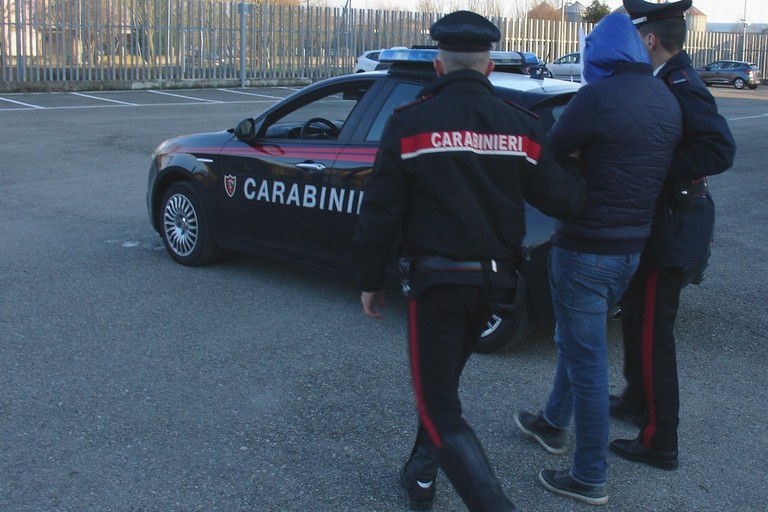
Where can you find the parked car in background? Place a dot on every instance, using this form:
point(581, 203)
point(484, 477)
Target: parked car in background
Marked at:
point(731, 72)
point(368, 61)
point(568, 67)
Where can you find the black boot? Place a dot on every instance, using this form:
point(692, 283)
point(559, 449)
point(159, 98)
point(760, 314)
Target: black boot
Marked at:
point(419, 475)
point(463, 460)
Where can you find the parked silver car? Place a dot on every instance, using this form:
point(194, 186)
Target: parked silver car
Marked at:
point(731, 72)
point(568, 67)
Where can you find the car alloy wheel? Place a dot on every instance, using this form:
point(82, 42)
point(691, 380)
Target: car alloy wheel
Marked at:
point(185, 228)
point(739, 83)
point(494, 321)
point(180, 224)
point(505, 332)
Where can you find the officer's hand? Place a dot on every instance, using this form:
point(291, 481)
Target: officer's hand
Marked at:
point(372, 302)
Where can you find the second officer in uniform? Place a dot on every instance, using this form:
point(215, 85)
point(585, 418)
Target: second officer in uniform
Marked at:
point(681, 236)
point(449, 186)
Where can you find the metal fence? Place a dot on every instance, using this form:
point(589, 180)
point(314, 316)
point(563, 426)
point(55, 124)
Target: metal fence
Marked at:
point(96, 44)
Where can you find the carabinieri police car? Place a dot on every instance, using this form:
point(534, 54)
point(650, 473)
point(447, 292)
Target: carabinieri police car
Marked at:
point(288, 183)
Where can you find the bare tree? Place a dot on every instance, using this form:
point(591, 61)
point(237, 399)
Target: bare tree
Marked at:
point(387, 5)
point(496, 8)
point(429, 6)
point(491, 8)
point(544, 11)
point(519, 8)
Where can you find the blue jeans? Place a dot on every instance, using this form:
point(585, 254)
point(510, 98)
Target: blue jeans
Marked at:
point(583, 287)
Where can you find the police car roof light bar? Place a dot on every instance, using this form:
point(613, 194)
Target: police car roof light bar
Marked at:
point(427, 55)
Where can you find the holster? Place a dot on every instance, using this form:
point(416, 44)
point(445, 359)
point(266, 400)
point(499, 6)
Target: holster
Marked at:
point(682, 194)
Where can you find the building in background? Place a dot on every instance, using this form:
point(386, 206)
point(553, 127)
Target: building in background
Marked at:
point(544, 11)
point(574, 12)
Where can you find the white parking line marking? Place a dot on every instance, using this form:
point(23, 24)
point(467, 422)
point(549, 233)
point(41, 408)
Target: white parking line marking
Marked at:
point(180, 104)
point(103, 99)
point(185, 97)
point(20, 103)
point(233, 91)
point(747, 117)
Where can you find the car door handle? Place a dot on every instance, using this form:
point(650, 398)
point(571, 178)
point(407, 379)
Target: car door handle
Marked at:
point(311, 166)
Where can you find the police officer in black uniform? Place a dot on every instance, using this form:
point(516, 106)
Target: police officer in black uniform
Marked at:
point(448, 188)
point(680, 240)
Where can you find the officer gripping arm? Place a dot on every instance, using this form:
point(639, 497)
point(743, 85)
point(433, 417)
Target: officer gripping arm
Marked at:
point(707, 147)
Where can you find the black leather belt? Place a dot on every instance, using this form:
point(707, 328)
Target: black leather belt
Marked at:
point(441, 264)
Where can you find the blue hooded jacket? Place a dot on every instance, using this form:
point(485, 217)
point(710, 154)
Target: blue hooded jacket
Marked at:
point(624, 124)
point(613, 40)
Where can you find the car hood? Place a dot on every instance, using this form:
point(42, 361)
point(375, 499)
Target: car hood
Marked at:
point(535, 85)
point(196, 143)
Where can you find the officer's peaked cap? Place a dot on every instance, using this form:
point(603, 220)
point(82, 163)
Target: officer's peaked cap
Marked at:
point(464, 31)
point(646, 12)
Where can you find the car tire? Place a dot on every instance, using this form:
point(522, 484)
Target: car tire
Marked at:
point(185, 226)
point(739, 83)
point(753, 87)
point(506, 333)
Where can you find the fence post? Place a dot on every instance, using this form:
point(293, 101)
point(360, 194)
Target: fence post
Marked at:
point(243, 10)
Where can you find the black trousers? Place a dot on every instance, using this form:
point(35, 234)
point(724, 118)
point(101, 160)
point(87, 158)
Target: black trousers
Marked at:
point(445, 322)
point(649, 308)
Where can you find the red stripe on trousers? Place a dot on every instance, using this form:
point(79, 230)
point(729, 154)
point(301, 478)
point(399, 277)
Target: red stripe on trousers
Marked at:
point(649, 307)
point(413, 338)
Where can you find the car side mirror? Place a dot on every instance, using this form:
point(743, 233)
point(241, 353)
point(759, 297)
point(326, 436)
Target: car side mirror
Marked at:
point(247, 129)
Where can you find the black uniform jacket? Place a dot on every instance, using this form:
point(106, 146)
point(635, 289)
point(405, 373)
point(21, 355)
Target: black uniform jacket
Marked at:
point(451, 176)
point(683, 225)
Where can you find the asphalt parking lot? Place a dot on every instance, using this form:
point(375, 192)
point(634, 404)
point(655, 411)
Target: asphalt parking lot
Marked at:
point(131, 383)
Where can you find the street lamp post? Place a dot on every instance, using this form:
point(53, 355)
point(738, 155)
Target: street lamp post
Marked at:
point(560, 50)
point(744, 34)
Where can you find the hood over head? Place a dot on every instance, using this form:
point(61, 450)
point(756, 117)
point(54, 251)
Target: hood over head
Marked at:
point(614, 40)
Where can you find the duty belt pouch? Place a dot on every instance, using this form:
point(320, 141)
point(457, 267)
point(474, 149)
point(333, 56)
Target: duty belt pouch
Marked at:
point(682, 195)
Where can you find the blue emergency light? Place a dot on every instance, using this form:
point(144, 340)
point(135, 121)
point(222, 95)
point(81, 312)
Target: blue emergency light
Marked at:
point(426, 55)
point(408, 55)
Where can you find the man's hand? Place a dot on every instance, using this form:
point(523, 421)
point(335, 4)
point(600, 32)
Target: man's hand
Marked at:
point(372, 303)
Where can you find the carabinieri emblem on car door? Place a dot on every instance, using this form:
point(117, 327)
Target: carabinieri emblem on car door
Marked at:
point(230, 184)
